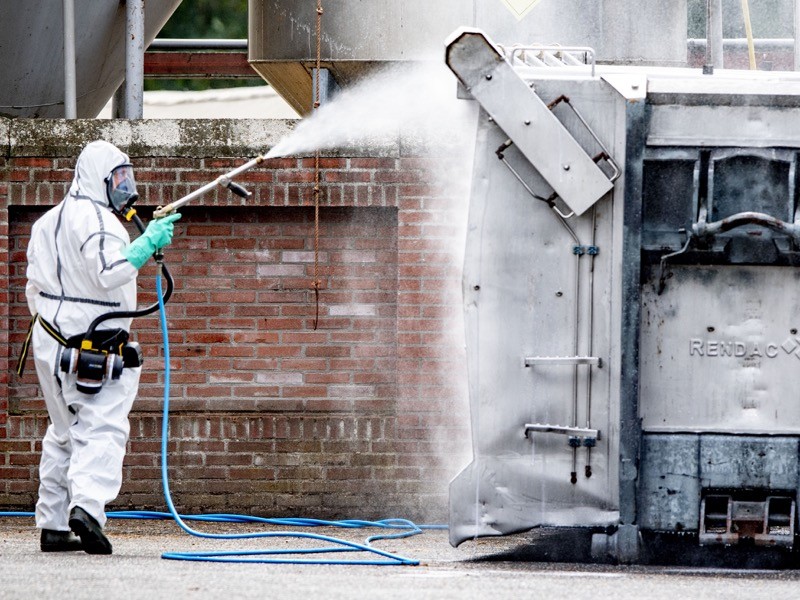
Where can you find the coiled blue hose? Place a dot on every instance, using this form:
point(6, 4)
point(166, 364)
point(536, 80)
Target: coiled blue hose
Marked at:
point(337, 545)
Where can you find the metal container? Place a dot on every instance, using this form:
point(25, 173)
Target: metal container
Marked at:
point(632, 327)
point(32, 50)
point(359, 36)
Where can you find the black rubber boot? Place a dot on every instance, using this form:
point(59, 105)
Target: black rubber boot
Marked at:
point(92, 537)
point(59, 541)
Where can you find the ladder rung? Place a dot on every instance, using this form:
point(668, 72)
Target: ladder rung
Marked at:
point(562, 429)
point(594, 361)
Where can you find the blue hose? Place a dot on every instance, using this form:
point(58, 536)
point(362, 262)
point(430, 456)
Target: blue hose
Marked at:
point(337, 545)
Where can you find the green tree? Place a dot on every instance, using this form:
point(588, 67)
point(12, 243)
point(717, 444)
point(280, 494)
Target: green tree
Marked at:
point(205, 19)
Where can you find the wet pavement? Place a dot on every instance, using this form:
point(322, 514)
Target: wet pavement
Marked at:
point(489, 568)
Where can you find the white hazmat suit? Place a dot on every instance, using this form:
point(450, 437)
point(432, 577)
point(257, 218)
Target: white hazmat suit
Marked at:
point(77, 271)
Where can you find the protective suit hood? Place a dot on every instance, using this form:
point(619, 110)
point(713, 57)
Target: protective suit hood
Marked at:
point(94, 166)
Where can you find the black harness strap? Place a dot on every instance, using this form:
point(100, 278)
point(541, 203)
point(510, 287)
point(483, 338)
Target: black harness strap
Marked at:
point(106, 340)
point(52, 332)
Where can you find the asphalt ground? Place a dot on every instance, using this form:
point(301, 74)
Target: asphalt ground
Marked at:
point(488, 568)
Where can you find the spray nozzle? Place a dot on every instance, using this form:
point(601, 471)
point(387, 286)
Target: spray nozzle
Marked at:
point(237, 189)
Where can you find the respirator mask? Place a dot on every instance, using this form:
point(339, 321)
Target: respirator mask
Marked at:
point(121, 189)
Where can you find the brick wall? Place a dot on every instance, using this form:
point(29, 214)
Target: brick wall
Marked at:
point(364, 416)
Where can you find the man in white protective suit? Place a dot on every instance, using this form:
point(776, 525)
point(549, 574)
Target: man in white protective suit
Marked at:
point(81, 265)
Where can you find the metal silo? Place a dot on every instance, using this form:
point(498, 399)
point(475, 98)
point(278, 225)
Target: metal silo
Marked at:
point(359, 36)
point(32, 51)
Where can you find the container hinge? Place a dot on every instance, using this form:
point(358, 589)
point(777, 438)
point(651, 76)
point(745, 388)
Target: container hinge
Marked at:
point(539, 135)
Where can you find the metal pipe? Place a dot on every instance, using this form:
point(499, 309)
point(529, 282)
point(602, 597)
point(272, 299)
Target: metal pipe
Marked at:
point(578, 248)
point(70, 98)
point(796, 35)
point(588, 467)
point(197, 44)
point(134, 59)
point(590, 349)
point(714, 53)
point(705, 229)
point(765, 44)
point(576, 338)
point(575, 372)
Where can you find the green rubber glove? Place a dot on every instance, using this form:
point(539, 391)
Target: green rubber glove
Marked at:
point(157, 235)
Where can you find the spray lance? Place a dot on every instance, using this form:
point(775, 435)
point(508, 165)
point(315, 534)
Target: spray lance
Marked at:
point(97, 356)
point(225, 180)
